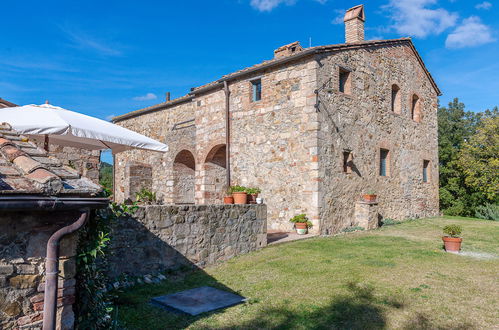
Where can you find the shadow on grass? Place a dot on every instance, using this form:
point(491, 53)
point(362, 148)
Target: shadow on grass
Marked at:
point(137, 250)
point(357, 309)
point(422, 322)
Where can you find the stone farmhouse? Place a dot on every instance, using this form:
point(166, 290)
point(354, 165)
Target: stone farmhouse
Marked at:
point(313, 128)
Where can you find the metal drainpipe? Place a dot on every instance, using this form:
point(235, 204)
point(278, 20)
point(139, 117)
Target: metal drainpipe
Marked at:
point(52, 270)
point(227, 131)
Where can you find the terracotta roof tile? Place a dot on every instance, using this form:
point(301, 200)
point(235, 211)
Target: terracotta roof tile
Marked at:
point(27, 164)
point(27, 169)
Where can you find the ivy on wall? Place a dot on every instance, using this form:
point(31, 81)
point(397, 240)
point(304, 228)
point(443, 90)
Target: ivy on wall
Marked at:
point(94, 306)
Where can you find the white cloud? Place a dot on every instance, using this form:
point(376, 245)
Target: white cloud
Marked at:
point(472, 32)
point(339, 15)
point(108, 118)
point(484, 5)
point(269, 5)
point(416, 18)
point(84, 41)
point(147, 97)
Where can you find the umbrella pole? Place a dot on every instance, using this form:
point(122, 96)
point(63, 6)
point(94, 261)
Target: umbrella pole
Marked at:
point(114, 178)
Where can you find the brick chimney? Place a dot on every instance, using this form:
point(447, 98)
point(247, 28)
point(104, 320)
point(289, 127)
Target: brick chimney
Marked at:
point(354, 24)
point(288, 49)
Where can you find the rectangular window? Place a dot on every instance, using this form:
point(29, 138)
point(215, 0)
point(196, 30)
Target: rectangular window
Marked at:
point(426, 165)
point(347, 162)
point(383, 162)
point(256, 86)
point(345, 81)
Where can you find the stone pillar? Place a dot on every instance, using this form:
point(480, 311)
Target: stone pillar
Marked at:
point(366, 215)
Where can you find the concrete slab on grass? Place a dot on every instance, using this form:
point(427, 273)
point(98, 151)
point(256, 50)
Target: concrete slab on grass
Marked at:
point(198, 300)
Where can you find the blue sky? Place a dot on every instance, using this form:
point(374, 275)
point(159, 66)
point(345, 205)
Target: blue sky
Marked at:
point(105, 58)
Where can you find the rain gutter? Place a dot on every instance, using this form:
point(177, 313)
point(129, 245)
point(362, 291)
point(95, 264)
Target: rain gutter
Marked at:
point(227, 131)
point(40, 203)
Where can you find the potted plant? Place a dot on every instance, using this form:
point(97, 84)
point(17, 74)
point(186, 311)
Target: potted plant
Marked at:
point(370, 197)
point(452, 240)
point(239, 194)
point(302, 224)
point(228, 198)
point(252, 194)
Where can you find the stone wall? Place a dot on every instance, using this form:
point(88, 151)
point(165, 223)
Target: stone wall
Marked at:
point(160, 237)
point(362, 122)
point(86, 162)
point(23, 241)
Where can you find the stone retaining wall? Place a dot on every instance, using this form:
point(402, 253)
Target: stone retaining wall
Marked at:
point(163, 237)
point(23, 241)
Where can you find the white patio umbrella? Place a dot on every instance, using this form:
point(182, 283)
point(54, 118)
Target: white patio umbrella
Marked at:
point(51, 124)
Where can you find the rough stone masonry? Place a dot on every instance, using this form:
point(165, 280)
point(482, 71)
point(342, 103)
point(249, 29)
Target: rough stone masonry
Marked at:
point(332, 123)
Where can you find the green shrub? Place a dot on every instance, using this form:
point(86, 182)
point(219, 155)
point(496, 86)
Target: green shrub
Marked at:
point(488, 212)
point(145, 196)
point(253, 191)
point(301, 218)
point(453, 230)
point(234, 189)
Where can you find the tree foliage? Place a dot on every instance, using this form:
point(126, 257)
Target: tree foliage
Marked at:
point(468, 155)
point(106, 176)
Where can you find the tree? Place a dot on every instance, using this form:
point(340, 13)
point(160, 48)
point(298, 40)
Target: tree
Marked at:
point(458, 189)
point(106, 176)
point(479, 159)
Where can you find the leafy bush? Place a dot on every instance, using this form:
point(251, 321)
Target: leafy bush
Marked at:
point(301, 218)
point(453, 230)
point(234, 189)
point(253, 191)
point(145, 196)
point(350, 229)
point(488, 212)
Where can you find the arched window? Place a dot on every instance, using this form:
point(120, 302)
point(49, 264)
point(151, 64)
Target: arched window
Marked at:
point(184, 167)
point(396, 99)
point(415, 108)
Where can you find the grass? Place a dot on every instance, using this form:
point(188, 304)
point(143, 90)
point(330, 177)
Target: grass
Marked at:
point(396, 277)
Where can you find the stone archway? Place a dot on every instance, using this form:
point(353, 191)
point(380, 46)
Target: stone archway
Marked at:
point(184, 169)
point(214, 175)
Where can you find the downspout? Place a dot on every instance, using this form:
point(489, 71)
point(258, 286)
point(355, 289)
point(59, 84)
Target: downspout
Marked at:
point(227, 131)
point(52, 270)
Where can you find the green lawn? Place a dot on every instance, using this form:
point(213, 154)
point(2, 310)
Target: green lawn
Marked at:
point(396, 277)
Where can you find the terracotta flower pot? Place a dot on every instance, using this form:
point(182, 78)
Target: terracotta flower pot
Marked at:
point(301, 228)
point(252, 198)
point(452, 244)
point(240, 197)
point(370, 198)
point(228, 200)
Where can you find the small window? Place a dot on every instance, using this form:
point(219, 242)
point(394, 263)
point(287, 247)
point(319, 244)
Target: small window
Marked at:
point(345, 81)
point(396, 104)
point(347, 162)
point(426, 166)
point(415, 108)
point(384, 162)
point(256, 86)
